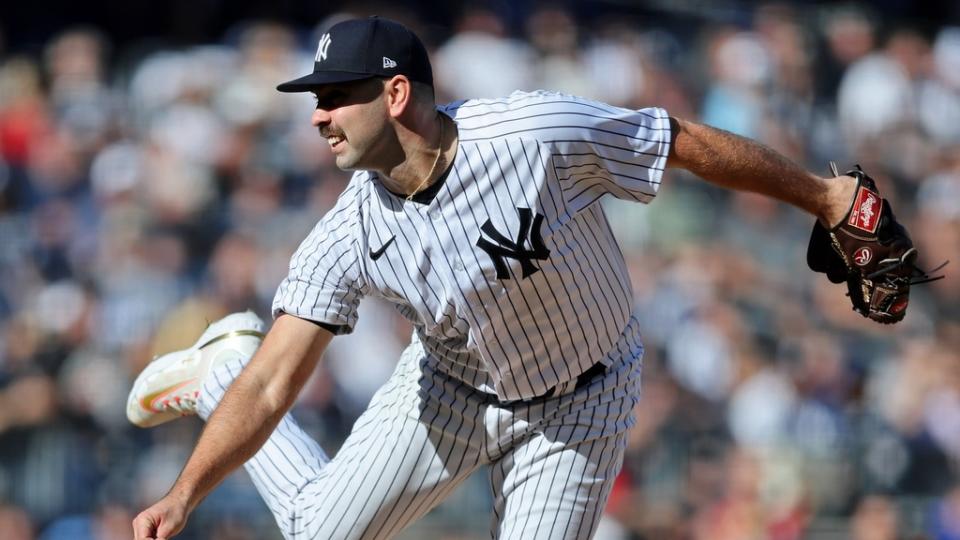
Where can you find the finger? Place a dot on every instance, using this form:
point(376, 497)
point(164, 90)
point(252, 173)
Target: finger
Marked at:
point(167, 529)
point(142, 528)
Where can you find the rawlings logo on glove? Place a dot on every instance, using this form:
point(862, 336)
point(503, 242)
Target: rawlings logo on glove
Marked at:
point(871, 252)
point(863, 214)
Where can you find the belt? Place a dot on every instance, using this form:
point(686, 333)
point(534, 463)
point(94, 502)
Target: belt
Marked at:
point(582, 380)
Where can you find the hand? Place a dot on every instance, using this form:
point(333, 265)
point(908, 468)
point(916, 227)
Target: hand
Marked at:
point(161, 521)
point(840, 191)
point(870, 251)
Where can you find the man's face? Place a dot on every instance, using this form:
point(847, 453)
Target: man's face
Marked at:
point(353, 118)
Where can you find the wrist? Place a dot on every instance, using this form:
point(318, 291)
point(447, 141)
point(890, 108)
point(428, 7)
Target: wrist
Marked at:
point(183, 495)
point(839, 193)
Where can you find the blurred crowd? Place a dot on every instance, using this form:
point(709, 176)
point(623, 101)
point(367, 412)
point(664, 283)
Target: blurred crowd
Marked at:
point(149, 191)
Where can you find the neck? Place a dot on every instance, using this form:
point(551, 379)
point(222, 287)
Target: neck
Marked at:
point(426, 156)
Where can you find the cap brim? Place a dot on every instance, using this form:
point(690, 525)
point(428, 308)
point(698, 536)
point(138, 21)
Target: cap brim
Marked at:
point(320, 78)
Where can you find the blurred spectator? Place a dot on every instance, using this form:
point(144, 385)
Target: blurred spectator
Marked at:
point(945, 518)
point(554, 35)
point(875, 518)
point(479, 48)
point(740, 67)
point(15, 524)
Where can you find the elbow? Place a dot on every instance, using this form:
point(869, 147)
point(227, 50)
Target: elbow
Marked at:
point(270, 393)
point(278, 397)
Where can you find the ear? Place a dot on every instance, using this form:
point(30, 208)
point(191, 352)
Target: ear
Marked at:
point(398, 91)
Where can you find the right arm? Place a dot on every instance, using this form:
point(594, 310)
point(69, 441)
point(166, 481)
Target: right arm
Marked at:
point(249, 412)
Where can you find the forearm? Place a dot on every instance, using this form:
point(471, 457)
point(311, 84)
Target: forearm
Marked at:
point(739, 163)
point(253, 406)
point(239, 426)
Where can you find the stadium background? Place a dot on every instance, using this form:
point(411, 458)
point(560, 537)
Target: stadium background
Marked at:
point(152, 180)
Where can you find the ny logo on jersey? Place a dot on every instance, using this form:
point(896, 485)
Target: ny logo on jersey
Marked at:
point(529, 233)
point(322, 48)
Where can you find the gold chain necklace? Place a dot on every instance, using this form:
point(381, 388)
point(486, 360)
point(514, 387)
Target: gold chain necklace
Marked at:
point(436, 160)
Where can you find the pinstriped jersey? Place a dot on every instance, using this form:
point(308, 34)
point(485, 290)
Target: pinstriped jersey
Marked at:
point(510, 274)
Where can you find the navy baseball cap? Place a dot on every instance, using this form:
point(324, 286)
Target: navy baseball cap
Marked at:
point(364, 48)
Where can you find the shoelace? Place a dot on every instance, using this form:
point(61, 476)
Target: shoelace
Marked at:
point(183, 404)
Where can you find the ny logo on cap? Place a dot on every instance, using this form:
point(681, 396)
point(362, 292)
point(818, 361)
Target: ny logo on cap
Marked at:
point(322, 48)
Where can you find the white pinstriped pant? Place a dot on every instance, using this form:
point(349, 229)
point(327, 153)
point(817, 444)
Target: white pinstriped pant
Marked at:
point(552, 462)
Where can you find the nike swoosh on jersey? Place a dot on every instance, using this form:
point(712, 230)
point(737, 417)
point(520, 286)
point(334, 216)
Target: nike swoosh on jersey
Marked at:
point(374, 255)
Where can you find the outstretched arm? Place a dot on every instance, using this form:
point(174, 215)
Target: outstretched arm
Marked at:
point(249, 412)
point(735, 162)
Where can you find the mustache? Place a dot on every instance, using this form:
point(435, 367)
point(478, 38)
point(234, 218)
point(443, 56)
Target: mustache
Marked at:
point(327, 131)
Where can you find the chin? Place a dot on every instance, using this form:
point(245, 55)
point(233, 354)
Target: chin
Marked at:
point(346, 163)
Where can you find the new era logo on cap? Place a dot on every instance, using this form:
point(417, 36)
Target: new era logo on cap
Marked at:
point(371, 47)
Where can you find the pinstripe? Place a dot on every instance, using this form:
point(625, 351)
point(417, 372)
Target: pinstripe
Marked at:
point(553, 114)
point(402, 232)
point(579, 175)
point(396, 423)
point(536, 488)
point(503, 344)
point(500, 135)
point(539, 276)
point(320, 243)
point(553, 199)
point(403, 284)
point(333, 268)
point(579, 272)
point(613, 257)
point(399, 470)
point(516, 313)
point(566, 235)
point(483, 305)
point(600, 193)
point(549, 285)
point(626, 149)
point(313, 271)
point(605, 158)
point(450, 484)
point(372, 420)
point(591, 499)
point(540, 95)
point(284, 431)
point(553, 478)
point(579, 229)
point(425, 497)
point(434, 496)
point(546, 282)
point(354, 447)
point(600, 500)
point(604, 181)
point(315, 239)
point(427, 490)
point(566, 482)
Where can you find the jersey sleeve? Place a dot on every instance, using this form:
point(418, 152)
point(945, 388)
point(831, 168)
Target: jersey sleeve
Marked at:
point(324, 283)
point(594, 148)
point(609, 150)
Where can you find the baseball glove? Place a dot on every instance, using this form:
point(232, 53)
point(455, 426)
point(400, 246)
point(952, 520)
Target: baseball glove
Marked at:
point(871, 252)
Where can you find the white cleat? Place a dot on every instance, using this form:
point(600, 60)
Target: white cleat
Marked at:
point(169, 386)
